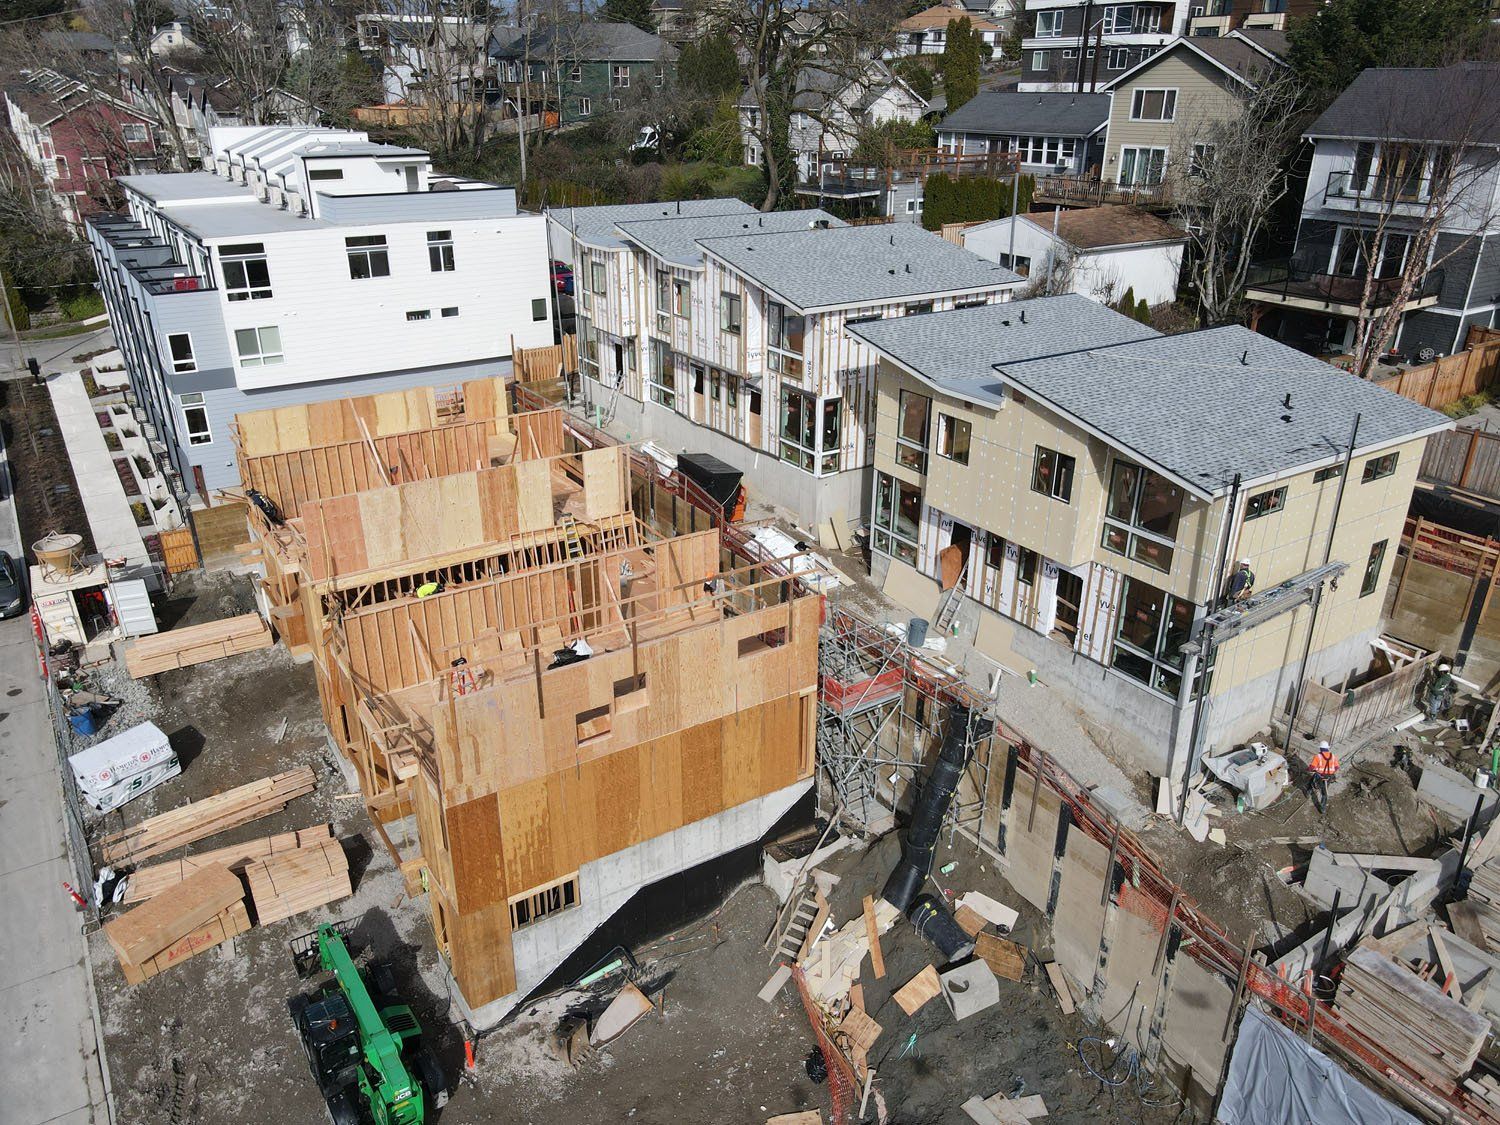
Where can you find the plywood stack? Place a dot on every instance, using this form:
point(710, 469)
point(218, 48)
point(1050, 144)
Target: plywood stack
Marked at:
point(1430, 1032)
point(195, 644)
point(194, 821)
point(1484, 897)
point(148, 882)
point(206, 908)
point(291, 882)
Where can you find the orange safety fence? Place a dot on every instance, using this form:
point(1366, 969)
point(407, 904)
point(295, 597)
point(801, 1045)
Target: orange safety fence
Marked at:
point(843, 1083)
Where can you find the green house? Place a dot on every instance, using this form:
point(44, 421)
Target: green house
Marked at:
point(583, 70)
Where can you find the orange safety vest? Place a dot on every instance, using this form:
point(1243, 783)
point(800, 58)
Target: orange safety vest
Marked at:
point(1325, 763)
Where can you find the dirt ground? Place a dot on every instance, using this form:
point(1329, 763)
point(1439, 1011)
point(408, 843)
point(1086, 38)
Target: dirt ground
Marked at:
point(46, 492)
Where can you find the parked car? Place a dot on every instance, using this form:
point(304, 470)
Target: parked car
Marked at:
point(562, 277)
point(12, 592)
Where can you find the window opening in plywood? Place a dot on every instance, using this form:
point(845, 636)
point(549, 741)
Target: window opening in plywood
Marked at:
point(533, 906)
point(762, 642)
point(595, 724)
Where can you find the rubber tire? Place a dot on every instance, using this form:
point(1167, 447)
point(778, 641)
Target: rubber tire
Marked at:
point(430, 1074)
point(342, 1110)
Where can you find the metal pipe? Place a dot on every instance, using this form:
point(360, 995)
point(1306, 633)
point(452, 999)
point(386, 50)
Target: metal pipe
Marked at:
point(1317, 598)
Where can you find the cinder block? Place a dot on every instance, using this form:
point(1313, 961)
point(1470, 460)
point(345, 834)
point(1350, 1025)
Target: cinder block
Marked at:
point(970, 988)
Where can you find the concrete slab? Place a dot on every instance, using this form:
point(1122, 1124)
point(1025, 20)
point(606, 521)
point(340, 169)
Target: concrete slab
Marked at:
point(1451, 792)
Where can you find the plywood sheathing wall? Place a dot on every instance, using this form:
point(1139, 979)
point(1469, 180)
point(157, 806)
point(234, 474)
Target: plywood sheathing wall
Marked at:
point(390, 528)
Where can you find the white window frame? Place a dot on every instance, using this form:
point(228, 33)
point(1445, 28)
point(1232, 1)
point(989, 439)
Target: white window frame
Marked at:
point(1202, 156)
point(585, 107)
point(1118, 58)
point(364, 246)
point(1054, 24)
point(188, 405)
point(182, 366)
point(262, 356)
point(1168, 102)
point(245, 289)
point(1138, 149)
point(619, 76)
point(1112, 16)
point(440, 251)
point(576, 73)
point(143, 133)
point(1041, 60)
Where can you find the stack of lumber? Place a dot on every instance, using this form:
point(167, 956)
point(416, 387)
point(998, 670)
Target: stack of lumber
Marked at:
point(206, 908)
point(195, 644)
point(194, 821)
point(148, 882)
point(290, 882)
point(1484, 897)
point(1430, 1032)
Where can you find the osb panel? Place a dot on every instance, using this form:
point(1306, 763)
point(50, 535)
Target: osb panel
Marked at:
point(483, 963)
point(533, 480)
point(603, 482)
point(477, 854)
point(539, 433)
point(685, 564)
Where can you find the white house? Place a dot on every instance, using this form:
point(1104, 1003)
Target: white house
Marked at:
point(1099, 252)
point(310, 264)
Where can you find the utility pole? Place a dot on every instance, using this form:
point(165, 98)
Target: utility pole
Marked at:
point(10, 322)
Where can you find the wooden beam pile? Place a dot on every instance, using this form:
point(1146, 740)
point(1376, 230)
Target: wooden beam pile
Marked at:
point(195, 644)
point(194, 821)
point(290, 882)
point(206, 908)
point(148, 882)
point(1429, 1031)
point(1484, 898)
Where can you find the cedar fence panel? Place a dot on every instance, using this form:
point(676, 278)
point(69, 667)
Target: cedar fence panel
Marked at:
point(1454, 376)
point(178, 552)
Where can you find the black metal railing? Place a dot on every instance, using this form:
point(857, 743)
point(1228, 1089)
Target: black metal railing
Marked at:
point(1288, 280)
point(1372, 187)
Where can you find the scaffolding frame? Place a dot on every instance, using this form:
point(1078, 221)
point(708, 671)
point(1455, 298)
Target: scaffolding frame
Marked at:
point(882, 708)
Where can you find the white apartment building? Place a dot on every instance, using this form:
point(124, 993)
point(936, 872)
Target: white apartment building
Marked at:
point(309, 264)
point(710, 327)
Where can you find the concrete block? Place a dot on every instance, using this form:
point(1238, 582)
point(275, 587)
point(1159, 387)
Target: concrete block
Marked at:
point(1451, 792)
point(970, 988)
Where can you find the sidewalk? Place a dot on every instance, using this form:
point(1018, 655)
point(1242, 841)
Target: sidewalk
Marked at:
point(51, 1069)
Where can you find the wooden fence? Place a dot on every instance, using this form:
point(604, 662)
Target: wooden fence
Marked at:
point(1464, 460)
point(539, 365)
point(1454, 376)
point(1338, 713)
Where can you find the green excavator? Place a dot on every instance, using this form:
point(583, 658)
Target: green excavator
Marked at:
point(364, 1048)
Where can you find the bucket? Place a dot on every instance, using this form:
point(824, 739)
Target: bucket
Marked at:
point(83, 722)
point(58, 555)
point(916, 632)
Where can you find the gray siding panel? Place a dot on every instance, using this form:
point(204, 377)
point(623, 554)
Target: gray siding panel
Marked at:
point(431, 206)
point(1427, 329)
point(1486, 289)
point(1459, 254)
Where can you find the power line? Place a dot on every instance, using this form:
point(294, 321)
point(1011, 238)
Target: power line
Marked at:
point(49, 16)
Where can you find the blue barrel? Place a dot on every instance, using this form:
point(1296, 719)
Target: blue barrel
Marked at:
point(83, 722)
point(916, 631)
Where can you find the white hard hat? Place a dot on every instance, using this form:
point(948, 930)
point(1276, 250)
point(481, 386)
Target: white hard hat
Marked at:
point(1444, 667)
point(1244, 562)
point(1323, 745)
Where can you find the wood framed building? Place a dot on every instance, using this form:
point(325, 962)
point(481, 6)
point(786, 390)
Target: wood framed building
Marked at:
point(534, 654)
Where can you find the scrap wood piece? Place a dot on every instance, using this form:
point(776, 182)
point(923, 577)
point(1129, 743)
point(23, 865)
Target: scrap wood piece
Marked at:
point(190, 823)
point(1466, 924)
point(773, 986)
point(860, 1028)
point(216, 931)
point(806, 1117)
point(1060, 985)
point(1450, 974)
point(877, 958)
point(629, 1005)
point(917, 991)
point(151, 927)
point(969, 920)
point(148, 882)
point(815, 931)
point(291, 882)
point(1020, 1109)
point(196, 644)
point(995, 913)
point(1005, 958)
point(979, 1112)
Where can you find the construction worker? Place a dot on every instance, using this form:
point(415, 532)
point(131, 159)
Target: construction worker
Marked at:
point(1322, 771)
point(1437, 696)
point(1241, 582)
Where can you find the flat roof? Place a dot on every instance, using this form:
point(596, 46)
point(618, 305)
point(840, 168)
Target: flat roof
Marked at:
point(849, 266)
point(596, 225)
point(956, 351)
point(232, 220)
point(182, 187)
point(676, 239)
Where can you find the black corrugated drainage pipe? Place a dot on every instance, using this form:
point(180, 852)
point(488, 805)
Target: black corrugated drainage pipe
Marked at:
point(936, 925)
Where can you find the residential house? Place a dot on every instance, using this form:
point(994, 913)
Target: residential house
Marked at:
point(201, 102)
point(309, 263)
point(1053, 133)
point(1079, 45)
point(677, 21)
point(1220, 17)
point(584, 69)
point(415, 51)
point(78, 138)
point(709, 326)
point(926, 32)
point(1164, 106)
point(173, 37)
point(1087, 484)
point(1370, 193)
point(84, 51)
point(1099, 252)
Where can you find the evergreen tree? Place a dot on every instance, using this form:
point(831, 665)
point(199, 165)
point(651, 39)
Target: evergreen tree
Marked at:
point(1126, 304)
point(960, 63)
point(637, 12)
point(1143, 311)
point(708, 66)
point(916, 75)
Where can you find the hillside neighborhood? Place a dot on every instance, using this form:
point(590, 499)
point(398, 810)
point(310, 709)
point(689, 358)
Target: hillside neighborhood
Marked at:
point(773, 561)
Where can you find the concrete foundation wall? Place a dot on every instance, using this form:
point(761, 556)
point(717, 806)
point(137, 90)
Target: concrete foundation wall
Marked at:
point(607, 884)
point(810, 499)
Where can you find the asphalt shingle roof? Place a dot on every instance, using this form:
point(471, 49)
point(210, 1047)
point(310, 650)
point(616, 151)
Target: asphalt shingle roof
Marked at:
point(1206, 405)
point(1458, 103)
point(676, 239)
point(1029, 115)
point(957, 351)
point(596, 225)
point(592, 41)
point(848, 266)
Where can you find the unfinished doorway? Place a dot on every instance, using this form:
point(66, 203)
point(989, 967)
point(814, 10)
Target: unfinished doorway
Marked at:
point(953, 560)
point(1069, 599)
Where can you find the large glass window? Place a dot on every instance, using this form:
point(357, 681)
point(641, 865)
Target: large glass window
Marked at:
point(912, 414)
point(1119, 19)
point(1052, 474)
point(1377, 468)
point(1152, 630)
point(682, 299)
point(1049, 25)
point(785, 334)
point(247, 277)
point(898, 518)
point(259, 347)
point(663, 301)
point(181, 344)
point(663, 375)
point(1153, 105)
point(1142, 167)
point(1141, 514)
point(832, 431)
point(729, 312)
point(1372, 568)
point(195, 419)
point(368, 256)
point(1044, 150)
point(440, 251)
point(798, 427)
point(596, 277)
point(953, 438)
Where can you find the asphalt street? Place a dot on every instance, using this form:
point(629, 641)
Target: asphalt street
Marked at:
point(51, 1069)
point(52, 355)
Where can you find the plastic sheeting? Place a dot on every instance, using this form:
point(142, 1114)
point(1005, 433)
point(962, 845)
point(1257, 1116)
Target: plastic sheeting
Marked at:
point(1275, 1078)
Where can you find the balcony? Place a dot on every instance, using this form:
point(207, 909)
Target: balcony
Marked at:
point(146, 257)
point(1286, 284)
point(1371, 191)
point(1088, 191)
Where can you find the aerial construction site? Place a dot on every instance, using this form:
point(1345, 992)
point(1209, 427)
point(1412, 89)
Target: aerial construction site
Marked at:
point(580, 796)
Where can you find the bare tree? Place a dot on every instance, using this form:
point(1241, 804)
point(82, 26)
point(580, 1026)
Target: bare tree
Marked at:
point(131, 27)
point(1058, 275)
point(1421, 191)
point(777, 41)
point(1234, 174)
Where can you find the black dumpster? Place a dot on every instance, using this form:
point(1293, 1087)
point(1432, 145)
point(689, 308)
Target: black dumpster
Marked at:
point(719, 479)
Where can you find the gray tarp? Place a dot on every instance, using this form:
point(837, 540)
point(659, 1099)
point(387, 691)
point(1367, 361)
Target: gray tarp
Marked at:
point(1275, 1078)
